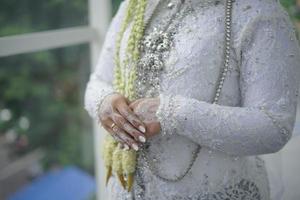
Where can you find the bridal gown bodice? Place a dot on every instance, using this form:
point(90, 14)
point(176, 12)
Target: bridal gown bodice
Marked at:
point(181, 61)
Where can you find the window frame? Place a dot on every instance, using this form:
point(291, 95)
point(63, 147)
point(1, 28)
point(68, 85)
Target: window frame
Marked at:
point(99, 12)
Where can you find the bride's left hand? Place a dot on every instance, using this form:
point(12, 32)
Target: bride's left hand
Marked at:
point(145, 109)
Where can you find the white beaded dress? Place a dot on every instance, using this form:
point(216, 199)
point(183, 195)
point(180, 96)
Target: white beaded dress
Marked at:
point(182, 57)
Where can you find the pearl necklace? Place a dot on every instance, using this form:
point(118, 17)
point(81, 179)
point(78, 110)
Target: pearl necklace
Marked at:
point(219, 86)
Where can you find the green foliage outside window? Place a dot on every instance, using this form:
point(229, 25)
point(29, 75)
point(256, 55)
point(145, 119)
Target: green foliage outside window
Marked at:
point(27, 16)
point(41, 94)
point(290, 5)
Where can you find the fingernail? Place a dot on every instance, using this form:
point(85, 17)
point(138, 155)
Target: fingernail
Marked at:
point(142, 139)
point(141, 128)
point(126, 147)
point(135, 147)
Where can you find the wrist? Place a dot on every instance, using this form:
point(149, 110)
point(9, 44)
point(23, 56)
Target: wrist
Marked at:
point(164, 114)
point(100, 102)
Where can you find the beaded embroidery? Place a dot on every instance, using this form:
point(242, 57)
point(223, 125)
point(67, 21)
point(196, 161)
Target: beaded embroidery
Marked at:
point(154, 47)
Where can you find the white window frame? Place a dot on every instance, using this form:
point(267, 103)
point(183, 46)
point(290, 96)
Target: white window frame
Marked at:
point(99, 12)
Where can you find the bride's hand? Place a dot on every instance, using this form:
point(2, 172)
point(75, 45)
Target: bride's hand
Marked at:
point(119, 120)
point(145, 109)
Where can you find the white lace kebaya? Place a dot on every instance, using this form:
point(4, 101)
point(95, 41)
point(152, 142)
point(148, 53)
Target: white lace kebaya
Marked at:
point(182, 57)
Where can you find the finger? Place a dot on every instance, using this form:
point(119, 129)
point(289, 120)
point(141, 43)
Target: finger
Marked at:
point(138, 136)
point(115, 135)
point(134, 103)
point(127, 127)
point(113, 132)
point(128, 114)
point(128, 140)
point(123, 137)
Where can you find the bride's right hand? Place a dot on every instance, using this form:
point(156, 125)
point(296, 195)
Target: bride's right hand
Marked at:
point(118, 119)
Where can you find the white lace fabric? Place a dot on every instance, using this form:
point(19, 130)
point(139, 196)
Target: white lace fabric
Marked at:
point(256, 110)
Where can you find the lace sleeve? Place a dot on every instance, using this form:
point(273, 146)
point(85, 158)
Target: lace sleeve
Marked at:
point(269, 84)
point(100, 82)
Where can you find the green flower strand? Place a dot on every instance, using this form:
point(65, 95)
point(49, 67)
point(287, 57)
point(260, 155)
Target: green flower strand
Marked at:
point(119, 79)
point(137, 34)
point(122, 162)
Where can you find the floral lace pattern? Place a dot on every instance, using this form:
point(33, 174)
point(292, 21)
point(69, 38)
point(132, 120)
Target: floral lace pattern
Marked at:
point(239, 189)
point(242, 190)
point(256, 110)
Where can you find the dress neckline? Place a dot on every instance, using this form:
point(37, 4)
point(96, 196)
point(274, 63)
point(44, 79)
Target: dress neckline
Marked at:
point(152, 4)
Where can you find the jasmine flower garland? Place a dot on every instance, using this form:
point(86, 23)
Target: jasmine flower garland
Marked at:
point(119, 161)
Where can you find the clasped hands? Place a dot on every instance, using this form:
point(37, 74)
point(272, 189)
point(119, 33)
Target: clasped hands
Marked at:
point(129, 123)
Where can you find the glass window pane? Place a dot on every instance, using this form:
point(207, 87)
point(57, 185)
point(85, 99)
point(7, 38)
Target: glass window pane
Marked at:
point(17, 17)
point(41, 107)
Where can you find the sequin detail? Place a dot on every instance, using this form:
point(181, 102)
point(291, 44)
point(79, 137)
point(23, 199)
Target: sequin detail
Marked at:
point(244, 190)
point(155, 46)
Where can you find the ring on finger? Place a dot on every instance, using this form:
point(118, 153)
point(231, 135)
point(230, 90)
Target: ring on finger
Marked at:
point(115, 128)
point(113, 125)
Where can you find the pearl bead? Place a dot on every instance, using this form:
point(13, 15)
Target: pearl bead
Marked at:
point(170, 5)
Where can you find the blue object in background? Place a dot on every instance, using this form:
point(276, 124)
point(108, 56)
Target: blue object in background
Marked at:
point(70, 183)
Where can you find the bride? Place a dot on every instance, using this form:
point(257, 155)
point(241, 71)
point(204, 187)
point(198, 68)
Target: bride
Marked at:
point(191, 92)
